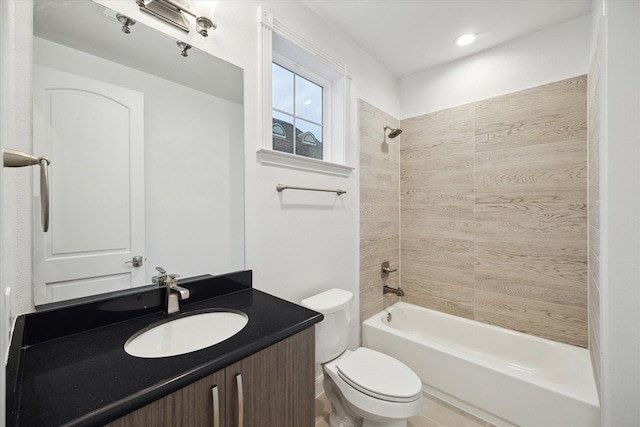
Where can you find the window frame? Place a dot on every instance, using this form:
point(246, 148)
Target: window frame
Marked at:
point(277, 38)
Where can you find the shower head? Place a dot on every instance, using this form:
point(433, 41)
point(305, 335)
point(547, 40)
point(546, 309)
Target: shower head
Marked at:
point(394, 132)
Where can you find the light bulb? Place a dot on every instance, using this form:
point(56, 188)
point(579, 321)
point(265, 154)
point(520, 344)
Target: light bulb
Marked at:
point(466, 39)
point(204, 16)
point(206, 8)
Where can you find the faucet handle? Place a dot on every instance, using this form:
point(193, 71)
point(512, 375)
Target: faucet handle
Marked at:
point(172, 280)
point(385, 269)
point(161, 278)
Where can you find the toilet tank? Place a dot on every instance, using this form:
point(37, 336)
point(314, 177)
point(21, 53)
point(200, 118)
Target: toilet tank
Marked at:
point(332, 334)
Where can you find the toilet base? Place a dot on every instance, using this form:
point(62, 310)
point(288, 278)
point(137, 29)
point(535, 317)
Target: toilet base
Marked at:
point(342, 416)
point(369, 423)
point(335, 421)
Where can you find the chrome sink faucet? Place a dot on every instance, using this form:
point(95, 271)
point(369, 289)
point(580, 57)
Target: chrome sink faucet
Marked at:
point(174, 292)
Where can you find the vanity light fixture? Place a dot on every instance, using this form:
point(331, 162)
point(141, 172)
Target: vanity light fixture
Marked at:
point(126, 22)
point(184, 47)
point(204, 17)
point(466, 39)
point(176, 13)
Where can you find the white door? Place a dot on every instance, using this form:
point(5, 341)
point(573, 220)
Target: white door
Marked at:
point(93, 134)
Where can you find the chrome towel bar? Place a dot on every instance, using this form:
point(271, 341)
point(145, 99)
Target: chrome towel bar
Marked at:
point(281, 188)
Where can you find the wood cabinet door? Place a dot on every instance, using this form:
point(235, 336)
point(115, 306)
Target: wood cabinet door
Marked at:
point(277, 385)
point(272, 388)
point(189, 406)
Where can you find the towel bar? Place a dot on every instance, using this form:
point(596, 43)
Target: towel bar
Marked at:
point(281, 187)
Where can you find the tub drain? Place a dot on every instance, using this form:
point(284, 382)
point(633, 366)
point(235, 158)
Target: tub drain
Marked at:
point(389, 317)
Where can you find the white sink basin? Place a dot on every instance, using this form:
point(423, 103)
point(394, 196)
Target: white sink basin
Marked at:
point(185, 334)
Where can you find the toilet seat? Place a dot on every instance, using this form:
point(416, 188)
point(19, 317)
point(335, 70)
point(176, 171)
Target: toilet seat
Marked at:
point(379, 376)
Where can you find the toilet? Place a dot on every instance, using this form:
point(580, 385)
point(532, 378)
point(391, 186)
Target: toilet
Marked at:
point(366, 388)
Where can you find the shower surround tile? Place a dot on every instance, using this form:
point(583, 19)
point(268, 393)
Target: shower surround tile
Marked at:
point(493, 200)
point(379, 208)
point(483, 208)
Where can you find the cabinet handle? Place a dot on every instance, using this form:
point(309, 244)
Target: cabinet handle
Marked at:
point(240, 400)
point(216, 406)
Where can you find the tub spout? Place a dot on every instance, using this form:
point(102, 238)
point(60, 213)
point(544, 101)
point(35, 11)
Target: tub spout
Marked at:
point(389, 290)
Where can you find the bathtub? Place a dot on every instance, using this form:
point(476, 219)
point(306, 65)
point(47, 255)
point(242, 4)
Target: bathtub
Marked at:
point(501, 376)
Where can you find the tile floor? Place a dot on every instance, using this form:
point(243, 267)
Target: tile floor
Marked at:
point(323, 408)
point(435, 413)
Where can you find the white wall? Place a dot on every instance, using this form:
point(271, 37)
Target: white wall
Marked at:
point(301, 243)
point(620, 212)
point(5, 49)
point(15, 132)
point(549, 55)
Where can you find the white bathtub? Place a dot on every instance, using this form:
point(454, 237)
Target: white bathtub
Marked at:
point(502, 376)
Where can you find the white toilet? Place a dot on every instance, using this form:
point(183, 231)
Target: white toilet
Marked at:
point(365, 387)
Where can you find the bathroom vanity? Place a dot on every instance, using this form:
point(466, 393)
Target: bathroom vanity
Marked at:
point(68, 366)
point(265, 389)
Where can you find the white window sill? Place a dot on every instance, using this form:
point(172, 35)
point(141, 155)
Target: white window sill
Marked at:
point(278, 158)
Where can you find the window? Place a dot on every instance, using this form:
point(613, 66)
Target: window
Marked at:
point(306, 102)
point(298, 104)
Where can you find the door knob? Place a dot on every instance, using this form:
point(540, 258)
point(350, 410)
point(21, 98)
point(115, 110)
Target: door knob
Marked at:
point(137, 261)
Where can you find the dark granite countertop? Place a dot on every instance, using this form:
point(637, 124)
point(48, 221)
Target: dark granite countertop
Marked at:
point(67, 366)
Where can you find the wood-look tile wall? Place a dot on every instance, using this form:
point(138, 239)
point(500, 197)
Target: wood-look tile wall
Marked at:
point(594, 210)
point(379, 208)
point(494, 210)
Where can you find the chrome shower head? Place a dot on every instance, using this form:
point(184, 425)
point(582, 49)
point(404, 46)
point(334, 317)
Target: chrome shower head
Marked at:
point(394, 132)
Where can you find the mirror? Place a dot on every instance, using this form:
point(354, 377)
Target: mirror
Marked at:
point(146, 149)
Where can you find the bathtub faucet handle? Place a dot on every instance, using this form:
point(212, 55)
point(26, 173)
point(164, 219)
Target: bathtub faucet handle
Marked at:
point(385, 269)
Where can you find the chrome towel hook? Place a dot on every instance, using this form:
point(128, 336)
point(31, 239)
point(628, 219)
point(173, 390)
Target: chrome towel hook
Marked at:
point(16, 159)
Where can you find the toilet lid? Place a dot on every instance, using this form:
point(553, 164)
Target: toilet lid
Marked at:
point(379, 376)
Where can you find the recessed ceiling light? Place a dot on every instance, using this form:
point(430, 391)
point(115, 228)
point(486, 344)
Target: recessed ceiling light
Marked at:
point(466, 39)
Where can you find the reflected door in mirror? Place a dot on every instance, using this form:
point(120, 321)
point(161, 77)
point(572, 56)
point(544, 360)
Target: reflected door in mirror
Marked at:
point(93, 133)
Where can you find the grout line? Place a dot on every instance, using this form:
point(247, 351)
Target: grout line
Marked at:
point(399, 208)
point(473, 256)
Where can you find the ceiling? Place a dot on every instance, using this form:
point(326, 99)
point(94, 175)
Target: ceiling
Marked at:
point(410, 36)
